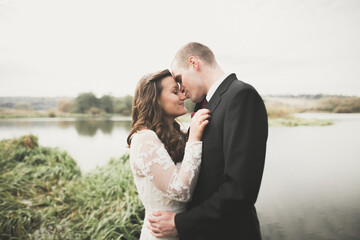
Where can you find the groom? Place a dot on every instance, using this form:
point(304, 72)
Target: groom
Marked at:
point(234, 145)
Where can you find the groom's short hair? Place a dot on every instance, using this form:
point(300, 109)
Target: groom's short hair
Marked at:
point(194, 49)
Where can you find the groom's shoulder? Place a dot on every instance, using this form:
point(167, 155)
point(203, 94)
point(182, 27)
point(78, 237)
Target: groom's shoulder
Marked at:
point(240, 86)
point(239, 90)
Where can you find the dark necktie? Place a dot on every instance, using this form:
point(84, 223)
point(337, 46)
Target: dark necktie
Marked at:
point(203, 105)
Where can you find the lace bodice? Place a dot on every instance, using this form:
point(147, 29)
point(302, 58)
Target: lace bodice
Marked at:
point(161, 184)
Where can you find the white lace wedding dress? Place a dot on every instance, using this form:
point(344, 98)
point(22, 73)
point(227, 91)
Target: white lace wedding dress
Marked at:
point(161, 184)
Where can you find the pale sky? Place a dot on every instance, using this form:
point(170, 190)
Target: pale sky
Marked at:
point(63, 48)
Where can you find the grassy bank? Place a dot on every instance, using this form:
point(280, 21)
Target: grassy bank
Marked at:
point(281, 115)
point(315, 103)
point(338, 105)
point(44, 196)
point(293, 122)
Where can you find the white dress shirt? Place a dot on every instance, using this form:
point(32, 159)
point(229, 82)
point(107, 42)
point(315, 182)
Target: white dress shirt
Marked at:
point(215, 86)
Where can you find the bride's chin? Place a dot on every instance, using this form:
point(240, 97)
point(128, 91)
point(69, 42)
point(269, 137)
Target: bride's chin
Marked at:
point(181, 114)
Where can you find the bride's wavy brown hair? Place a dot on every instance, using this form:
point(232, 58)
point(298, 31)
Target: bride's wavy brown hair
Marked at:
point(148, 114)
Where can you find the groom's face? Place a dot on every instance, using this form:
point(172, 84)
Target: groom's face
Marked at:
point(188, 82)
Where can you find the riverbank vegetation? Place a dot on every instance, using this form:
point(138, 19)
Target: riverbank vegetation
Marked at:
point(84, 105)
point(280, 114)
point(280, 108)
point(314, 103)
point(43, 195)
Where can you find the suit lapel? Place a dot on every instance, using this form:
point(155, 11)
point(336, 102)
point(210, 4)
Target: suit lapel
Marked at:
point(216, 98)
point(198, 106)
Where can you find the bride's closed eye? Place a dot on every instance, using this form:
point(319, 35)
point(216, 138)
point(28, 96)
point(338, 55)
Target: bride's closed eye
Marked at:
point(177, 89)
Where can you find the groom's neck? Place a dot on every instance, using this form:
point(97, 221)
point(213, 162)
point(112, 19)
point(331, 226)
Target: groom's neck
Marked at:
point(211, 75)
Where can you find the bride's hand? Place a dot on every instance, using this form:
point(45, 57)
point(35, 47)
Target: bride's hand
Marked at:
point(198, 123)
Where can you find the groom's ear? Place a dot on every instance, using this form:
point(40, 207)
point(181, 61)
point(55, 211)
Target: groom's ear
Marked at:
point(194, 63)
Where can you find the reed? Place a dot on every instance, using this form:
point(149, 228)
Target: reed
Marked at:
point(293, 122)
point(338, 105)
point(44, 196)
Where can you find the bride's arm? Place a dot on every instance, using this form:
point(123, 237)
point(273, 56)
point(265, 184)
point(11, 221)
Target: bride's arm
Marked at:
point(150, 159)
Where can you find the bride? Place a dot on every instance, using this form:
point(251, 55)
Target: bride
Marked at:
point(164, 161)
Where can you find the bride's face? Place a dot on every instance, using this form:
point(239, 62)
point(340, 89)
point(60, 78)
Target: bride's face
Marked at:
point(171, 99)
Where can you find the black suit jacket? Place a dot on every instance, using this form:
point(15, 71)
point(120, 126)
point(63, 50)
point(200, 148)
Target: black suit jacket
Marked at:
point(234, 145)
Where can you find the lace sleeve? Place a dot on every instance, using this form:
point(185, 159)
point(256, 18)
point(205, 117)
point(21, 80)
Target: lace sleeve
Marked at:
point(150, 159)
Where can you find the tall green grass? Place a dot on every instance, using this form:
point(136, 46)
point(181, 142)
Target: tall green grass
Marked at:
point(44, 196)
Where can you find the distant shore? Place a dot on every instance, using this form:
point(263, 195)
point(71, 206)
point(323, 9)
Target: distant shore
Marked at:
point(280, 108)
point(280, 119)
point(15, 113)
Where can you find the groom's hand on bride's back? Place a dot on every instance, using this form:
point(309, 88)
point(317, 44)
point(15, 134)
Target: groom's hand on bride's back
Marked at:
point(162, 224)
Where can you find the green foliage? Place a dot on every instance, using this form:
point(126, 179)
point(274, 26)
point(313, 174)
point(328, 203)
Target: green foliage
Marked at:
point(44, 196)
point(107, 103)
point(95, 111)
point(123, 105)
point(84, 102)
point(89, 103)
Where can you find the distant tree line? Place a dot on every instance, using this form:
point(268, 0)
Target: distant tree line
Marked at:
point(28, 103)
point(83, 103)
point(309, 96)
point(338, 105)
point(281, 107)
point(89, 103)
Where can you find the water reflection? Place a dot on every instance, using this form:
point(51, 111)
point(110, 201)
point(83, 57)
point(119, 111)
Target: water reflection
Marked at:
point(84, 127)
point(92, 142)
point(311, 184)
point(90, 127)
point(65, 124)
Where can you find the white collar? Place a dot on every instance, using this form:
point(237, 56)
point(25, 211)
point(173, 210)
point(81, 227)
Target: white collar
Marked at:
point(215, 86)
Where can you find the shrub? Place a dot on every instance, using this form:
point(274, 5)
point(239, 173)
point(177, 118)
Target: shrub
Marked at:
point(278, 110)
point(95, 111)
point(339, 104)
point(44, 196)
point(51, 113)
point(65, 105)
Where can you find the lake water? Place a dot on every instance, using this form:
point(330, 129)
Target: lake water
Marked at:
point(311, 184)
point(90, 142)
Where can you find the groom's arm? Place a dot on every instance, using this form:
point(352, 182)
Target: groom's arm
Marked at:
point(244, 144)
